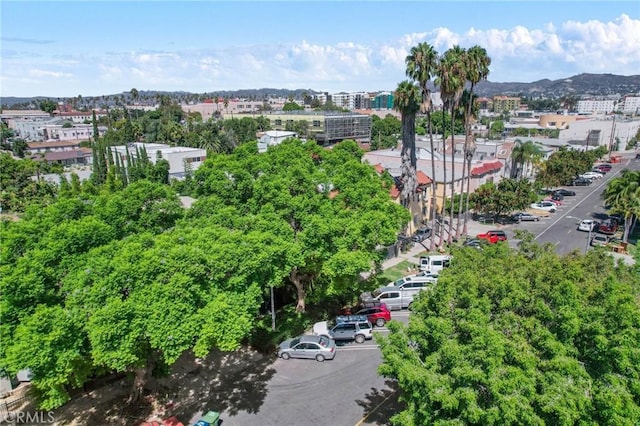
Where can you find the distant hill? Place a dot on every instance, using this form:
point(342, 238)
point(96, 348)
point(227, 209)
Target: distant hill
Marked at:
point(578, 85)
point(581, 84)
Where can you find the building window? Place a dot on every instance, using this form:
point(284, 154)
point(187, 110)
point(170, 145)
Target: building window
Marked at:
point(278, 122)
point(316, 123)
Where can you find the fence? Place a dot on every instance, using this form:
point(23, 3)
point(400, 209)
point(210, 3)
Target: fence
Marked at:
point(8, 407)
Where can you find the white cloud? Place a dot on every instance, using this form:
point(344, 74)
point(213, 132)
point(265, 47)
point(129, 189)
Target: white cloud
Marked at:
point(555, 50)
point(48, 74)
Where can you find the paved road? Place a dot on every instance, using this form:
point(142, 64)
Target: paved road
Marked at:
point(560, 228)
point(344, 391)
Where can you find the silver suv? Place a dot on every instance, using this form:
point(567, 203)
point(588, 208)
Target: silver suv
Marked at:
point(345, 327)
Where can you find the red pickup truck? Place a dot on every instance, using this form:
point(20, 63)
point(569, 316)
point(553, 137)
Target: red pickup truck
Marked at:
point(493, 236)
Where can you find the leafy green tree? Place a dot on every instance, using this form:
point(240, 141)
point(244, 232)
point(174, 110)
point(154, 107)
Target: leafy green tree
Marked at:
point(332, 210)
point(524, 337)
point(47, 105)
point(292, 106)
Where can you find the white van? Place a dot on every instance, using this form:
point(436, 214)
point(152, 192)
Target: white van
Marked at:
point(434, 263)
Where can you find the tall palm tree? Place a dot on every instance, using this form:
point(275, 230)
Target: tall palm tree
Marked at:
point(623, 195)
point(422, 63)
point(469, 148)
point(406, 100)
point(477, 70)
point(452, 78)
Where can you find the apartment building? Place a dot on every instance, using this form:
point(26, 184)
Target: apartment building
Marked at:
point(596, 106)
point(325, 127)
point(181, 159)
point(506, 103)
point(630, 105)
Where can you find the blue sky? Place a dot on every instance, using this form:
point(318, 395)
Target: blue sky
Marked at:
point(71, 48)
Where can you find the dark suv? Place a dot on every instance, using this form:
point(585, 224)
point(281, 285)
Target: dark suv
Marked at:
point(422, 234)
point(581, 182)
point(345, 327)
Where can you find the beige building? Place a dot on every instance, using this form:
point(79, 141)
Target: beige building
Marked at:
point(325, 127)
point(506, 103)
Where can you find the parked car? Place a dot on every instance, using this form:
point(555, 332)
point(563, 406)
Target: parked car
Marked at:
point(434, 263)
point(493, 236)
point(421, 234)
point(618, 218)
point(524, 217)
point(391, 296)
point(604, 168)
point(475, 243)
point(418, 279)
point(591, 175)
point(377, 316)
point(581, 182)
point(608, 227)
point(554, 201)
point(210, 418)
point(308, 347)
point(547, 206)
point(345, 327)
point(599, 240)
point(588, 225)
point(564, 192)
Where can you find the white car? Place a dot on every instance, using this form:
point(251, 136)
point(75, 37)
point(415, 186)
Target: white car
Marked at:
point(591, 175)
point(547, 206)
point(588, 225)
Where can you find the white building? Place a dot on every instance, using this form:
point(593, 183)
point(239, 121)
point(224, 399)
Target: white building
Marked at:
point(596, 106)
point(181, 159)
point(631, 105)
point(604, 131)
point(273, 137)
point(57, 132)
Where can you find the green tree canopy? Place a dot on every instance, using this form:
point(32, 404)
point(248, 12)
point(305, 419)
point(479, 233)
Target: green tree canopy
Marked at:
point(525, 337)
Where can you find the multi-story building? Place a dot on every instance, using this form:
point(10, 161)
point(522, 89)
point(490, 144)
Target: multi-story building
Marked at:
point(596, 106)
point(631, 105)
point(79, 117)
point(383, 100)
point(325, 127)
point(230, 107)
point(58, 132)
point(505, 103)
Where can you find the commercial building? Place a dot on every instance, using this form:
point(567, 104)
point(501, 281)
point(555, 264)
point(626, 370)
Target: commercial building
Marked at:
point(325, 127)
point(506, 103)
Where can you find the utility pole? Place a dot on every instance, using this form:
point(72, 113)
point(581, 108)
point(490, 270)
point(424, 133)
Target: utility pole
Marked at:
point(613, 128)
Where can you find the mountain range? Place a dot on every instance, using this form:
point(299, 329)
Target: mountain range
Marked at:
point(576, 86)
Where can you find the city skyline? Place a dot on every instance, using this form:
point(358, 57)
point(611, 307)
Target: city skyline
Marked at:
point(63, 49)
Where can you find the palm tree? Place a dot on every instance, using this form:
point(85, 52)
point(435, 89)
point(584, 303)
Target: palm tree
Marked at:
point(469, 148)
point(623, 195)
point(477, 70)
point(452, 77)
point(407, 101)
point(422, 63)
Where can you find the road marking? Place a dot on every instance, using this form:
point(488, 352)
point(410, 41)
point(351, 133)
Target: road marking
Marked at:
point(364, 419)
point(358, 348)
point(577, 204)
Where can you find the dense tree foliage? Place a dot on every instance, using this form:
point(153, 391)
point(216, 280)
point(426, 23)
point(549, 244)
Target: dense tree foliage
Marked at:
point(523, 337)
point(565, 165)
point(507, 196)
point(116, 277)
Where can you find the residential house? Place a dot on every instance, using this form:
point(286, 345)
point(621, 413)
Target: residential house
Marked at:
point(182, 160)
point(273, 137)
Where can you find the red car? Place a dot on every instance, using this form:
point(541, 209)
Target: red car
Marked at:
point(493, 236)
point(378, 315)
point(608, 227)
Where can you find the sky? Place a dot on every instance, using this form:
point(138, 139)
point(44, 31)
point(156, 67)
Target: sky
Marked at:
point(95, 48)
